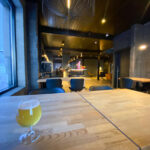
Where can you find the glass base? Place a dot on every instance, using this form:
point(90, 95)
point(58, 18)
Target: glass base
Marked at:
point(29, 137)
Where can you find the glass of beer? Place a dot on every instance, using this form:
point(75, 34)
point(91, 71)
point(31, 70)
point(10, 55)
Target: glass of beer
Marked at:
point(29, 113)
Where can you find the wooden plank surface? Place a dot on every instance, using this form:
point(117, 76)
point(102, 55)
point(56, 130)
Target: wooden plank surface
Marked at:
point(67, 123)
point(142, 80)
point(127, 109)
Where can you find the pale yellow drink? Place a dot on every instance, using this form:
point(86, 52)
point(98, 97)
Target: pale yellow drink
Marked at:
point(29, 113)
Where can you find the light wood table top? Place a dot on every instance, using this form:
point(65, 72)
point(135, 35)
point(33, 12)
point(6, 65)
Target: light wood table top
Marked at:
point(63, 79)
point(127, 109)
point(142, 80)
point(68, 123)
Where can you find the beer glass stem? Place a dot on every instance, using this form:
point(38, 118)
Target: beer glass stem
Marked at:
point(31, 129)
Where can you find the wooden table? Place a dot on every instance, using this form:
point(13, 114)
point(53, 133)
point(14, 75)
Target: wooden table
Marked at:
point(127, 109)
point(68, 123)
point(142, 80)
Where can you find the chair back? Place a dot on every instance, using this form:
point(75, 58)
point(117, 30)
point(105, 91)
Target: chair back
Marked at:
point(77, 84)
point(53, 83)
point(96, 88)
point(127, 83)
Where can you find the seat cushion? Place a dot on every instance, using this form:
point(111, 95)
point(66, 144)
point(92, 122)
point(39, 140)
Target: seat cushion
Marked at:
point(56, 90)
point(47, 91)
point(96, 88)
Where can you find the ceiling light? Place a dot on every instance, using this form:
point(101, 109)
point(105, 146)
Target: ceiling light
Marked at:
point(68, 4)
point(107, 34)
point(142, 47)
point(103, 21)
point(95, 42)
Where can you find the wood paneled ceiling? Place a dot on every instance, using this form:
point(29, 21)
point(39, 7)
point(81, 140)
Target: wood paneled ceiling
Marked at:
point(120, 16)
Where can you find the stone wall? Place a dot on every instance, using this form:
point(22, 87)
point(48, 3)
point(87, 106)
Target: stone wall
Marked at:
point(123, 40)
point(132, 39)
point(140, 59)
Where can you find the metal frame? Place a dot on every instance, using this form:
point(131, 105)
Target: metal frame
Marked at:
point(59, 31)
point(71, 49)
point(13, 46)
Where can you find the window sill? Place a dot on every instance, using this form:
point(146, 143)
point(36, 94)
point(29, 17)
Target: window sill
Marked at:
point(13, 91)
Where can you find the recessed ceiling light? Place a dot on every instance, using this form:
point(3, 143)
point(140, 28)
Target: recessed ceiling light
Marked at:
point(103, 21)
point(143, 47)
point(107, 34)
point(95, 42)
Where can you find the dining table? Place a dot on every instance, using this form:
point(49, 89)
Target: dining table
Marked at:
point(128, 110)
point(137, 82)
point(102, 120)
point(141, 80)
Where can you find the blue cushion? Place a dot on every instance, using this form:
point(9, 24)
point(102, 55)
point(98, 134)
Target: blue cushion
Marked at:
point(127, 83)
point(96, 88)
point(76, 84)
point(53, 83)
point(56, 90)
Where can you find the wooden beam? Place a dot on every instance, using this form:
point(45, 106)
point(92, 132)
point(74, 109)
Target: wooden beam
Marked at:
point(47, 29)
point(71, 49)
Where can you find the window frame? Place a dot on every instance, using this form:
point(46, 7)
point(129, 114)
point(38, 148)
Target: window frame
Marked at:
point(13, 47)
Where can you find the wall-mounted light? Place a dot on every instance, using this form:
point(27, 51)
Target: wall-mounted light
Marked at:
point(143, 47)
point(68, 4)
point(63, 43)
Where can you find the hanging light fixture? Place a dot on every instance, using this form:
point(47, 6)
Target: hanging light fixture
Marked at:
point(68, 4)
point(103, 21)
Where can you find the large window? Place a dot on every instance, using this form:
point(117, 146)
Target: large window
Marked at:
point(7, 46)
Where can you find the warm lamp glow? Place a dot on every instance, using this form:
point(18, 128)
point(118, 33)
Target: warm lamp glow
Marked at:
point(68, 4)
point(46, 57)
point(142, 47)
point(103, 21)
